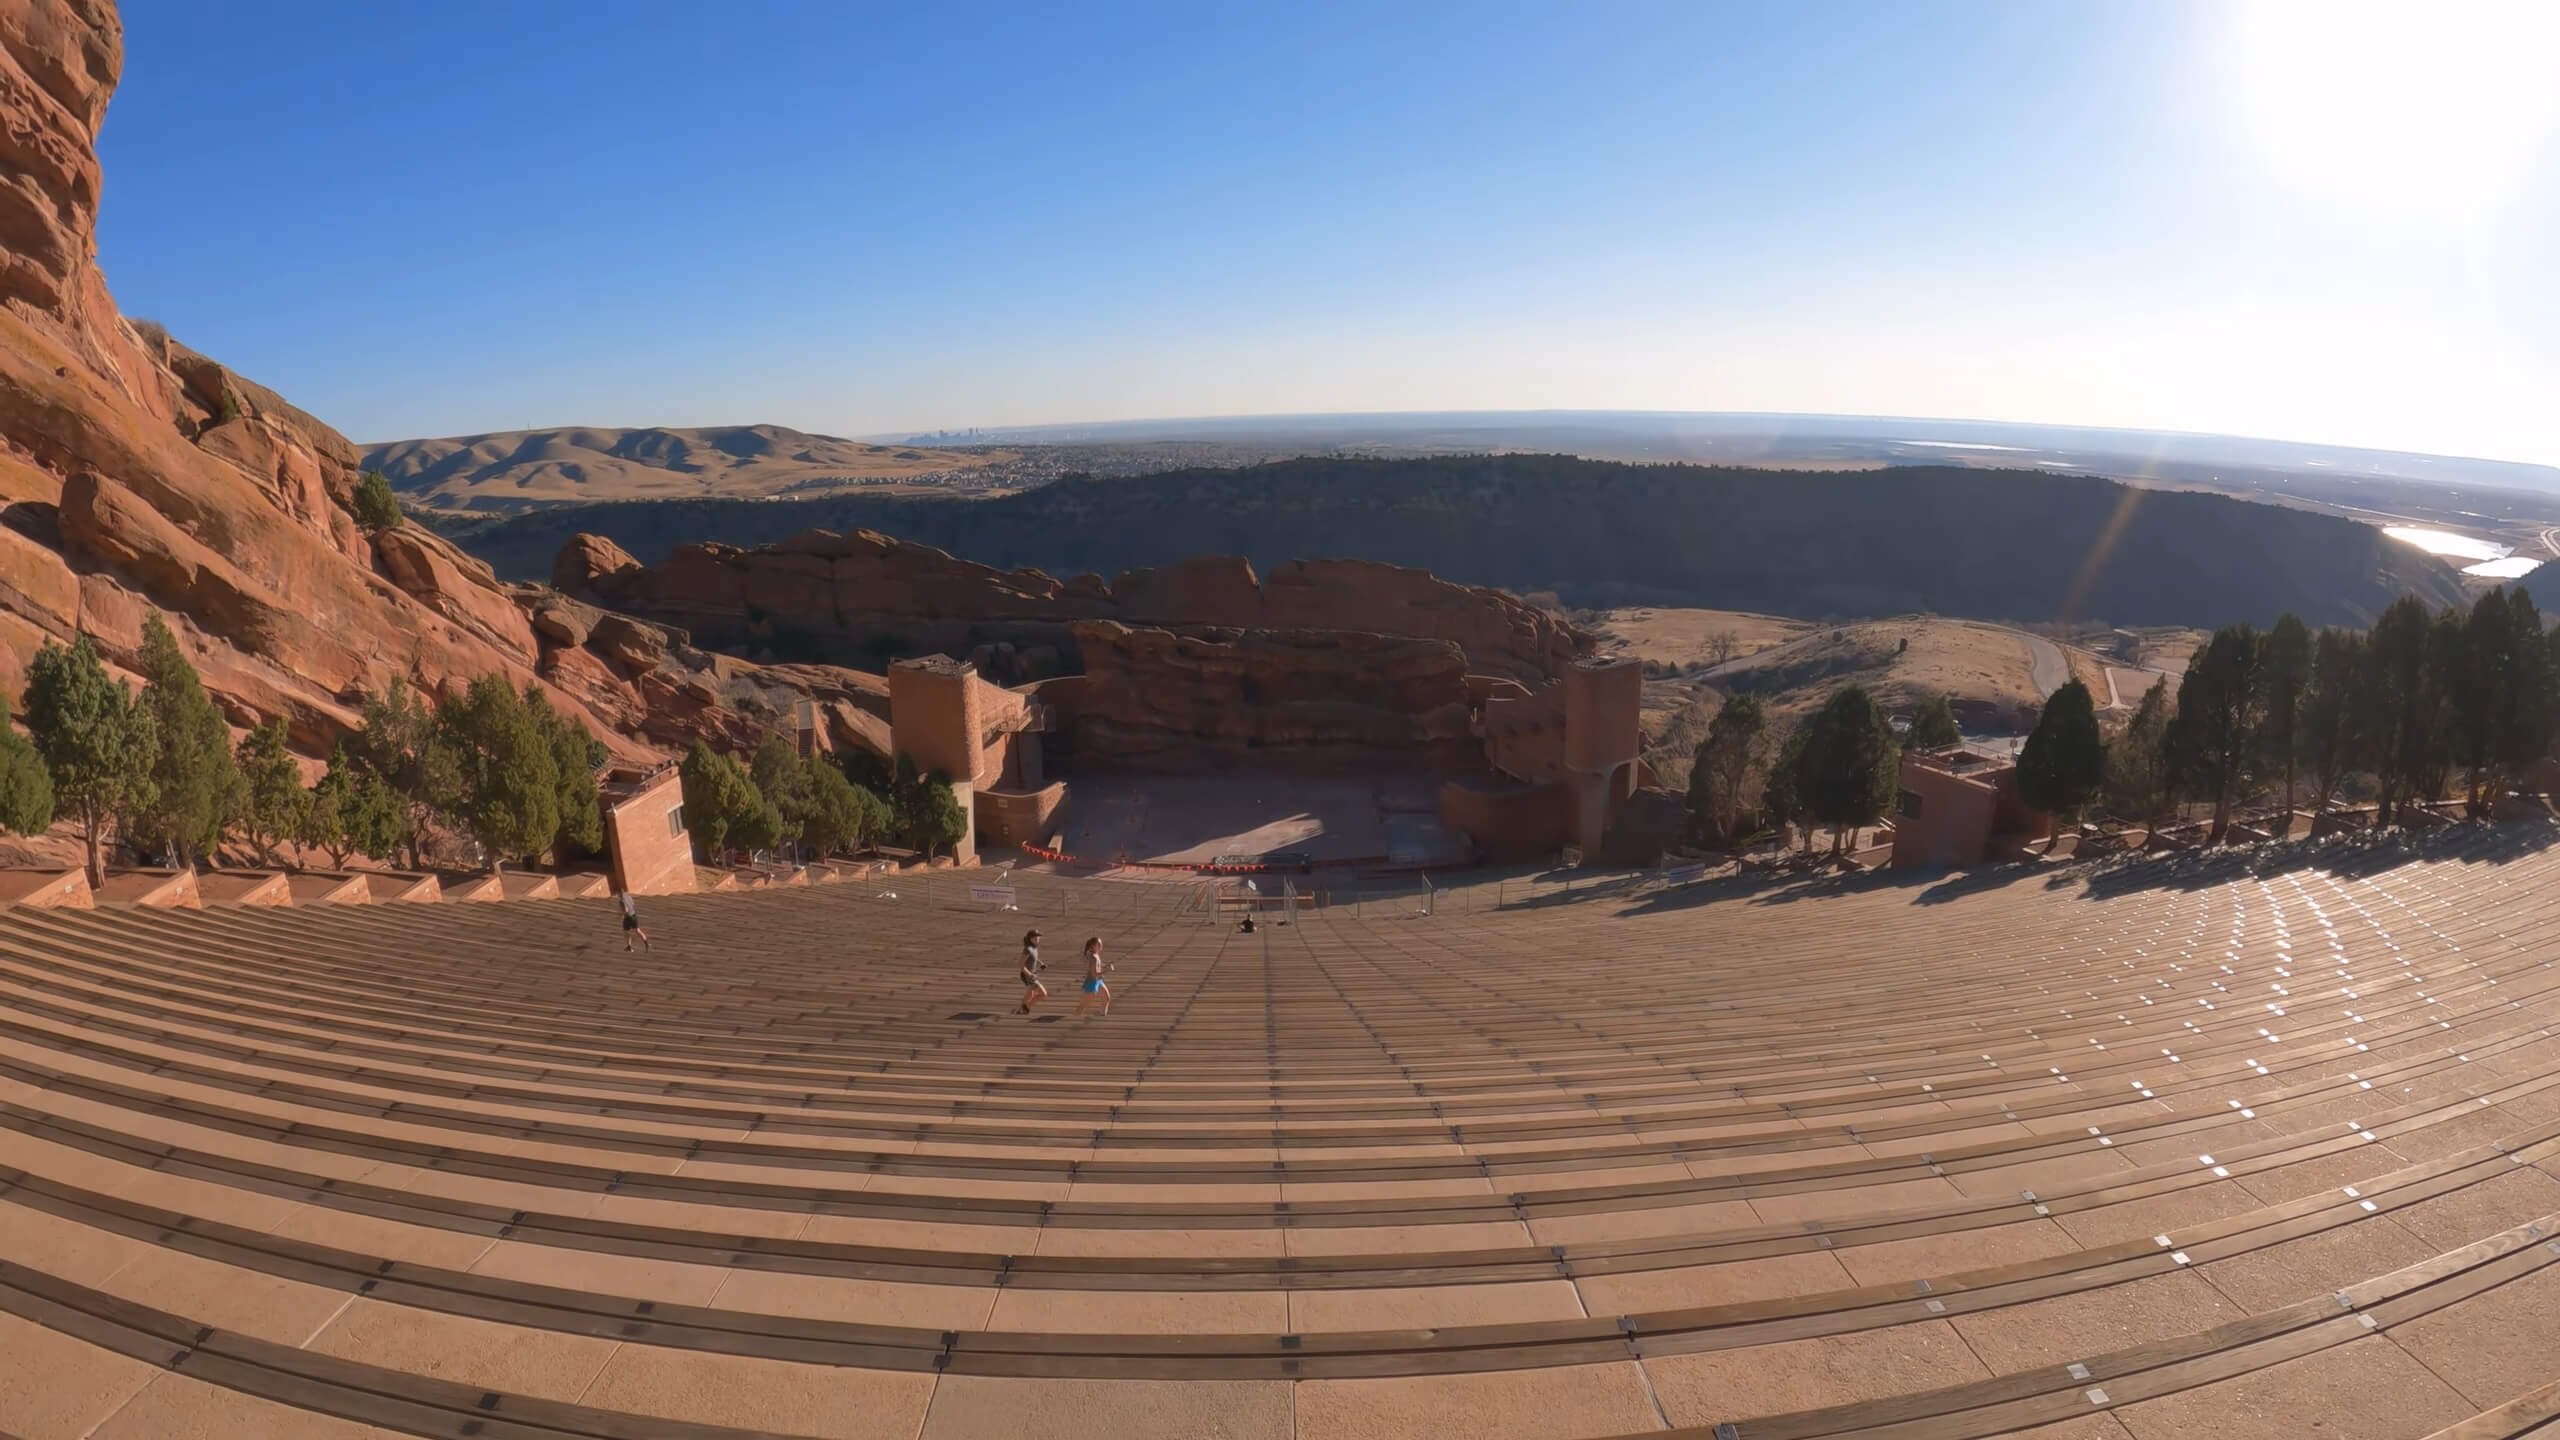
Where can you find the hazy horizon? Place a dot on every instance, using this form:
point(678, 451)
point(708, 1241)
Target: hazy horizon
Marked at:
point(2327, 224)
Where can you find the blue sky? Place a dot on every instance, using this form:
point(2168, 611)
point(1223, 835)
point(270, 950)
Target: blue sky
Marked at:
point(414, 218)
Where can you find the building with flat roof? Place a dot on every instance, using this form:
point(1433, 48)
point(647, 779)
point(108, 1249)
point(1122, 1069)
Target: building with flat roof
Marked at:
point(1960, 806)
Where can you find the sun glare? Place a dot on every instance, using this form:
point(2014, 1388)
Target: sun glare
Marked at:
point(2428, 108)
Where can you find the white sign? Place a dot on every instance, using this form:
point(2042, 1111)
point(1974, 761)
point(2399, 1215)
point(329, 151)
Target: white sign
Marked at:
point(991, 894)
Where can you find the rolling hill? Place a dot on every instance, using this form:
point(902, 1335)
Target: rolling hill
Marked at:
point(528, 469)
point(1990, 544)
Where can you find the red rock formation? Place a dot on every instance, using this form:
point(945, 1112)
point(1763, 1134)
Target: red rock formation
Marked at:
point(866, 594)
point(1311, 701)
point(136, 473)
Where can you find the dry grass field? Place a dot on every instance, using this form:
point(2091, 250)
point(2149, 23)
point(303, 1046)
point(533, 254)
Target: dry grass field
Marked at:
point(522, 469)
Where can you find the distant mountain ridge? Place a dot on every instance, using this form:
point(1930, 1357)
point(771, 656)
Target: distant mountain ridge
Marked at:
point(528, 469)
point(1986, 544)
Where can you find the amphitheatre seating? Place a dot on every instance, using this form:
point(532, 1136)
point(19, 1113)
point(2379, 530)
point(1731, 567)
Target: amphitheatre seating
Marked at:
point(2192, 1146)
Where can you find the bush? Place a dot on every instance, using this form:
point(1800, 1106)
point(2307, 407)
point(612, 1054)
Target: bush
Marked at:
point(375, 506)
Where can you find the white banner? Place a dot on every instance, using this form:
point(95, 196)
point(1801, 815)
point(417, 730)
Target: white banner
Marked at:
point(991, 894)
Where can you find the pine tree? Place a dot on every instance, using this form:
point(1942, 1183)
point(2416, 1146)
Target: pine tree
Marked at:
point(1850, 769)
point(399, 746)
point(2286, 676)
point(376, 507)
point(2064, 762)
point(272, 797)
point(717, 797)
point(1736, 744)
point(195, 788)
point(324, 810)
point(783, 778)
point(1782, 794)
point(509, 788)
point(2325, 733)
point(927, 810)
point(2137, 782)
point(842, 815)
point(95, 738)
point(575, 754)
point(26, 789)
point(2213, 741)
point(2401, 715)
point(376, 821)
point(1933, 726)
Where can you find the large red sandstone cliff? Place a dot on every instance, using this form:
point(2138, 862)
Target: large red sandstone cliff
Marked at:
point(136, 473)
point(867, 593)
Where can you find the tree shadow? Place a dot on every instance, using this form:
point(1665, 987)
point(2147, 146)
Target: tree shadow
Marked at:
point(2355, 855)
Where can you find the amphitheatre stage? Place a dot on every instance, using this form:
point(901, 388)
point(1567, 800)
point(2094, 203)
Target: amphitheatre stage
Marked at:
point(2222, 1145)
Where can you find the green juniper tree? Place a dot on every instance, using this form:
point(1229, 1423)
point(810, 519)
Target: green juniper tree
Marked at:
point(376, 507)
point(842, 815)
point(94, 736)
point(509, 784)
point(1850, 769)
point(2213, 741)
point(272, 797)
point(26, 788)
point(575, 755)
point(718, 796)
point(2283, 680)
point(2137, 784)
point(2064, 762)
point(399, 746)
point(1933, 726)
point(1736, 743)
point(195, 785)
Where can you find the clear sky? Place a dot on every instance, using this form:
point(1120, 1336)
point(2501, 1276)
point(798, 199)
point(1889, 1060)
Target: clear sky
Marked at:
point(2320, 221)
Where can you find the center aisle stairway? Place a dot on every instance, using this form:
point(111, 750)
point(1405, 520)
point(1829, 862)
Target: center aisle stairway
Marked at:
point(2222, 1146)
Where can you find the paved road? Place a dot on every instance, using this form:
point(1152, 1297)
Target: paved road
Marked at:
point(2052, 671)
point(2551, 541)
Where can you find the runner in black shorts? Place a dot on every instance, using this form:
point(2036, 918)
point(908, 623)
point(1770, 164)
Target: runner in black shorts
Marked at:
point(631, 924)
point(1033, 992)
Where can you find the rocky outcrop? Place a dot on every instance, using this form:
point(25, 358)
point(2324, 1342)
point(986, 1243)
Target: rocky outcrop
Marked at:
point(136, 473)
point(1308, 701)
point(864, 597)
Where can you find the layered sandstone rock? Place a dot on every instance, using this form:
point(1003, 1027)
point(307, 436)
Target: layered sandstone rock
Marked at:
point(136, 474)
point(865, 596)
point(1313, 701)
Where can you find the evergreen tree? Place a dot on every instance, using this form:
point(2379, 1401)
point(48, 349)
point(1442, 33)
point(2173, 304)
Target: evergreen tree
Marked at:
point(784, 780)
point(2325, 736)
point(2213, 741)
point(841, 815)
point(375, 819)
point(2401, 714)
point(95, 738)
point(2137, 777)
point(324, 810)
point(399, 746)
point(575, 754)
point(1782, 797)
point(509, 785)
point(2064, 762)
point(1850, 770)
point(1933, 726)
point(26, 789)
point(1737, 740)
point(717, 796)
point(2287, 674)
point(2502, 696)
point(376, 507)
point(195, 784)
point(927, 810)
point(273, 799)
